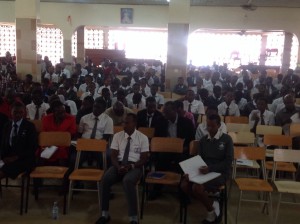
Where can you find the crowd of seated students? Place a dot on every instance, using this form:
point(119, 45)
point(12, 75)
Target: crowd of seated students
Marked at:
point(96, 99)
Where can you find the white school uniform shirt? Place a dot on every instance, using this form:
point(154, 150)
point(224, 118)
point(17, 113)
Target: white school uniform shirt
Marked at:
point(147, 91)
point(84, 72)
point(74, 88)
point(31, 110)
point(139, 143)
point(72, 105)
point(105, 125)
point(202, 130)
point(53, 78)
point(83, 87)
point(96, 95)
point(159, 98)
point(242, 103)
point(268, 117)
point(102, 87)
point(197, 106)
point(207, 83)
point(275, 103)
point(233, 109)
point(66, 72)
point(141, 105)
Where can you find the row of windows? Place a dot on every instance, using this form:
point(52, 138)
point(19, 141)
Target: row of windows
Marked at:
point(203, 48)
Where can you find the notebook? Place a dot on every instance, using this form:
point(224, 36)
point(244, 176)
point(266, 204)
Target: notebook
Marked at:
point(48, 152)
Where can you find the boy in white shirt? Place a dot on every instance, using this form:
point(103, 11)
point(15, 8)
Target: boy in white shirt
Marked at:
point(229, 107)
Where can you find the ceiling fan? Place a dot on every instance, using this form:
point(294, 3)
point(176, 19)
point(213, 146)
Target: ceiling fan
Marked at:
point(249, 6)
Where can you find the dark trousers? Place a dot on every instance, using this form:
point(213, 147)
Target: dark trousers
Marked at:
point(129, 180)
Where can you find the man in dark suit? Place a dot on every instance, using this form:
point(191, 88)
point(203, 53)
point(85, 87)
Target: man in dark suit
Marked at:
point(19, 142)
point(150, 116)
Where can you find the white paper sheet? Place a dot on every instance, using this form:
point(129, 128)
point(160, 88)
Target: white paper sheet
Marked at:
point(48, 152)
point(191, 167)
point(74, 143)
point(244, 162)
point(1, 163)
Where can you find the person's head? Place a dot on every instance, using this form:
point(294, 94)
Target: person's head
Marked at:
point(229, 96)
point(211, 109)
point(125, 82)
point(179, 107)
point(68, 83)
point(170, 111)
point(190, 95)
point(105, 93)
point(61, 91)
point(239, 86)
point(154, 89)
point(249, 84)
point(130, 123)
point(261, 88)
point(151, 105)
point(58, 110)
point(180, 81)
point(238, 95)
point(262, 104)
point(51, 69)
point(136, 88)
point(280, 77)
point(99, 107)
point(137, 98)
point(217, 90)
point(17, 111)
point(203, 93)
point(245, 75)
point(290, 72)
point(199, 83)
point(87, 103)
point(263, 76)
point(213, 123)
point(215, 77)
point(28, 78)
point(233, 80)
point(207, 75)
point(114, 86)
point(289, 101)
point(58, 69)
point(91, 87)
point(74, 77)
point(121, 95)
point(107, 81)
point(118, 108)
point(143, 82)
point(88, 79)
point(37, 97)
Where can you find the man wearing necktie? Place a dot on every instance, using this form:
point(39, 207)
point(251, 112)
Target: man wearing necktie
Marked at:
point(18, 145)
point(129, 153)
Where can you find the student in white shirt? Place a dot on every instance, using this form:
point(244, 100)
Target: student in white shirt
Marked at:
point(261, 116)
point(37, 109)
point(88, 80)
point(91, 91)
point(51, 75)
point(202, 128)
point(145, 89)
point(160, 100)
point(239, 100)
point(228, 107)
point(107, 83)
point(135, 99)
point(191, 105)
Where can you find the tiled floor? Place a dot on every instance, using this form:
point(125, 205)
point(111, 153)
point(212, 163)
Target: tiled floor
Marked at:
point(165, 210)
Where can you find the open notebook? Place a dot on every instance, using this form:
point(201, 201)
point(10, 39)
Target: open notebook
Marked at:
point(191, 167)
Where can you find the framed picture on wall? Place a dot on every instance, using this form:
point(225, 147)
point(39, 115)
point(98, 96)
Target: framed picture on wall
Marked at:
point(126, 15)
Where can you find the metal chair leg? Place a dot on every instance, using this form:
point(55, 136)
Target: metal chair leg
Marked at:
point(277, 210)
point(27, 193)
point(22, 194)
point(99, 194)
point(225, 204)
point(238, 208)
point(70, 195)
point(143, 201)
point(271, 207)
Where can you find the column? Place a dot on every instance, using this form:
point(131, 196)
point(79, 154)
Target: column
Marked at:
point(27, 15)
point(262, 57)
point(80, 45)
point(286, 56)
point(178, 31)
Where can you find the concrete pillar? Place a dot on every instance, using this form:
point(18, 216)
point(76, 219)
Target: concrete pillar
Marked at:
point(286, 56)
point(80, 45)
point(27, 16)
point(262, 57)
point(178, 31)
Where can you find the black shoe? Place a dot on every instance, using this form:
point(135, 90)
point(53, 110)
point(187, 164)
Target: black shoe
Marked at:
point(133, 222)
point(103, 220)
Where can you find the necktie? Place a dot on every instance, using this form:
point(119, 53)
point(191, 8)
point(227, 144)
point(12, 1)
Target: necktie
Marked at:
point(93, 135)
point(262, 120)
point(14, 134)
point(148, 119)
point(37, 113)
point(126, 153)
point(189, 109)
point(227, 111)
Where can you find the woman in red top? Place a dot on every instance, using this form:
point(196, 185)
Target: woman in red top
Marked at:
point(59, 120)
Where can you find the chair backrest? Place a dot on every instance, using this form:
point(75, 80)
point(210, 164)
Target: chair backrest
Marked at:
point(55, 138)
point(250, 153)
point(242, 138)
point(202, 119)
point(239, 120)
point(298, 101)
point(194, 146)
point(166, 144)
point(278, 140)
point(149, 132)
point(91, 145)
point(135, 110)
point(268, 130)
point(176, 96)
point(118, 129)
point(167, 95)
point(294, 130)
point(234, 127)
point(37, 124)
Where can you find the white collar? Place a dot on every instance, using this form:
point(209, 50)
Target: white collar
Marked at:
point(217, 135)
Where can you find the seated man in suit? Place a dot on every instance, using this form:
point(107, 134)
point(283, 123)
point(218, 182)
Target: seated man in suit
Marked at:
point(150, 116)
point(216, 149)
point(18, 145)
point(129, 154)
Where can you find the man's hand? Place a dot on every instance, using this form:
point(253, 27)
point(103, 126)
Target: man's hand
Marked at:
point(204, 170)
point(124, 169)
point(185, 177)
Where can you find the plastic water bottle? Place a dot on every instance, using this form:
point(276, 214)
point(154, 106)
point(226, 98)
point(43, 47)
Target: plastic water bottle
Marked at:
point(55, 211)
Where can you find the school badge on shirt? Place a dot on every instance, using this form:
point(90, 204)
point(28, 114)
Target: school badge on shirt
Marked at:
point(221, 146)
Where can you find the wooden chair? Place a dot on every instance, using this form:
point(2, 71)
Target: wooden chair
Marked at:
point(268, 130)
point(38, 125)
point(50, 172)
point(166, 95)
point(238, 120)
point(235, 127)
point(252, 184)
point(294, 130)
point(135, 110)
point(193, 147)
point(118, 129)
point(79, 94)
point(177, 96)
point(88, 174)
point(297, 101)
point(202, 119)
point(285, 186)
point(149, 132)
point(242, 138)
point(163, 145)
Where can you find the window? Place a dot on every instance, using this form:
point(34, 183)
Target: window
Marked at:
point(7, 39)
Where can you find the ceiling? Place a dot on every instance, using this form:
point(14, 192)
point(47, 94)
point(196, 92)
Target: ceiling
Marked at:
point(224, 3)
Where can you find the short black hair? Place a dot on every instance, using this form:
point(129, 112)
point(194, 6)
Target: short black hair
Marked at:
point(55, 104)
point(134, 116)
point(215, 117)
point(171, 104)
point(89, 99)
point(100, 101)
point(212, 107)
point(178, 104)
point(18, 104)
point(262, 99)
point(150, 99)
point(104, 90)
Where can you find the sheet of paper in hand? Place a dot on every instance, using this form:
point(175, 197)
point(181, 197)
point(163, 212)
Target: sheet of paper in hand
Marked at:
point(48, 152)
point(191, 167)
